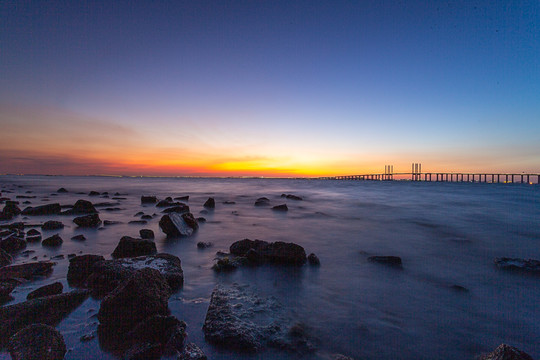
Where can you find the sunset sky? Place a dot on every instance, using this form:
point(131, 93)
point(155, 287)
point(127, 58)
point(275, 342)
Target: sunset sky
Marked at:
point(268, 88)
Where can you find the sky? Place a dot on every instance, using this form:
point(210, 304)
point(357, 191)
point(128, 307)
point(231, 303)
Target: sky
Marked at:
point(268, 88)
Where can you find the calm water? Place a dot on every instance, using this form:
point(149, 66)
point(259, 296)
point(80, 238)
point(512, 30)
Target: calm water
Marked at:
point(446, 234)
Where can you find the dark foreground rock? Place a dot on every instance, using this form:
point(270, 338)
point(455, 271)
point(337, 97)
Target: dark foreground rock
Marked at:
point(388, 260)
point(37, 341)
point(506, 352)
point(519, 265)
point(49, 310)
point(5, 258)
point(91, 220)
point(258, 251)
point(26, 271)
point(49, 209)
point(175, 224)
point(108, 274)
point(132, 247)
point(80, 268)
point(47, 290)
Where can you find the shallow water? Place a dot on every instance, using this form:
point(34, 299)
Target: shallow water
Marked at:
point(446, 233)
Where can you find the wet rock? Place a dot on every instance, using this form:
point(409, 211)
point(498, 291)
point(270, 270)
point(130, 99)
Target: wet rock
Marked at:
point(204, 245)
point(26, 271)
point(48, 310)
point(11, 209)
point(148, 200)
point(144, 351)
point(388, 260)
point(108, 274)
point(80, 268)
point(132, 247)
point(506, 352)
point(210, 203)
point(175, 224)
point(282, 207)
point(313, 260)
point(79, 237)
point(110, 222)
point(182, 198)
point(277, 253)
point(138, 222)
point(143, 294)
point(32, 232)
point(12, 244)
point(519, 265)
point(47, 290)
point(6, 287)
point(166, 203)
point(146, 217)
point(164, 331)
point(262, 201)
point(52, 241)
point(191, 352)
point(61, 190)
point(37, 341)
point(93, 193)
point(146, 234)
point(52, 225)
point(91, 220)
point(227, 264)
point(5, 258)
point(291, 196)
point(139, 213)
point(49, 209)
point(179, 208)
point(81, 207)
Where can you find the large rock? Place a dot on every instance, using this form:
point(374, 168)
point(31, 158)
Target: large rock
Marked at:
point(143, 294)
point(12, 244)
point(49, 209)
point(132, 247)
point(506, 352)
point(146, 234)
point(80, 268)
point(47, 290)
point(53, 241)
point(175, 224)
point(91, 220)
point(5, 258)
point(108, 274)
point(11, 209)
point(37, 341)
point(26, 271)
point(521, 265)
point(81, 207)
point(49, 310)
point(52, 225)
point(261, 251)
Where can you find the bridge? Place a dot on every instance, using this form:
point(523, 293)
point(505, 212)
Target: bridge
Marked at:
point(416, 174)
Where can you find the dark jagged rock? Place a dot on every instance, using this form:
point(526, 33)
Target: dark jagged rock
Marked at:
point(204, 245)
point(519, 265)
point(146, 234)
point(277, 253)
point(79, 237)
point(210, 203)
point(313, 260)
point(11, 209)
point(282, 207)
point(93, 193)
point(262, 201)
point(388, 260)
point(191, 352)
point(52, 225)
point(80, 268)
point(132, 247)
point(53, 241)
point(179, 208)
point(148, 200)
point(291, 196)
point(108, 274)
point(61, 190)
point(91, 220)
point(12, 244)
point(143, 294)
point(5, 258)
point(26, 271)
point(49, 209)
point(49, 310)
point(506, 352)
point(37, 341)
point(175, 224)
point(81, 207)
point(47, 290)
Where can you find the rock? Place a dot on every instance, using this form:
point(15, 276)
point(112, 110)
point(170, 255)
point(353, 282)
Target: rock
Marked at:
point(388, 260)
point(5, 258)
point(79, 237)
point(148, 200)
point(93, 193)
point(12, 244)
point(52, 241)
point(81, 207)
point(11, 209)
point(91, 220)
point(37, 341)
point(49, 209)
point(143, 294)
point(138, 222)
point(80, 268)
point(262, 201)
point(341, 357)
point(108, 274)
point(506, 352)
point(459, 288)
point(33, 232)
point(240, 248)
point(52, 225)
point(291, 196)
point(47, 290)
point(131, 247)
point(179, 208)
point(521, 265)
point(228, 202)
point(146, 217)
point(226, 264)
point(139, 213)
point(201, 220)
point(175, 224)
point(26, 271)
point(191, 352)
point(49, 310)
point(166, 203)
point(282, 207)
point(210, 203)
point(276, 253)
point(143, 351)
point(146, 234)
point(61, 190)
point(313, 260)
point(204, 245)
point(182, 198)
point(161, 330)
point(110, 222)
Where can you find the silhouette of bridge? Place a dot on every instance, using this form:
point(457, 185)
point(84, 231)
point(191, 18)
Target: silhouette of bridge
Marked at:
point(416, 174)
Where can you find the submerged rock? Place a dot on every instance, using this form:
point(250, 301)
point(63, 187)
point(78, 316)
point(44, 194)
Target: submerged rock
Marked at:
point(91, 220)
point(291, 196)
point(61, 190)
point(26, 271)
point(132, 247)
point(49, 209)
point(388, 260)
point(277, 253)
point(313, 260)
point(262, 201)
point(516, 264)
point(506, 352)
point(175, 224)
point(37, 341)
point(282, 207)
point(47, 290)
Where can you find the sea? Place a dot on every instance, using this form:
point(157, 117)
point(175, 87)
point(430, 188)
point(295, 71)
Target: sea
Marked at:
point(448, 301)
